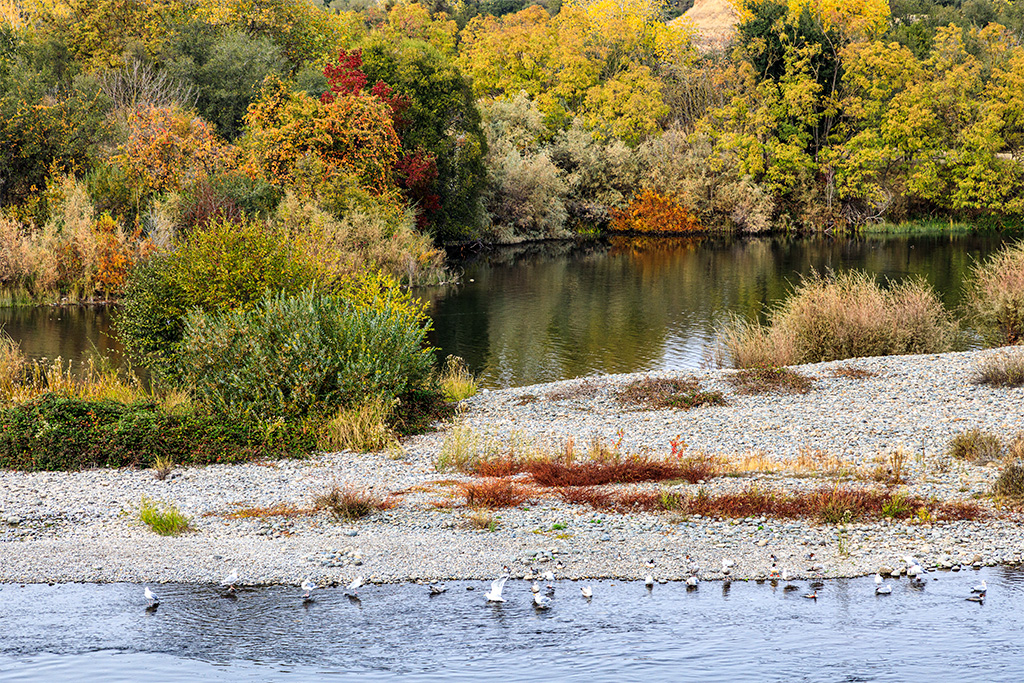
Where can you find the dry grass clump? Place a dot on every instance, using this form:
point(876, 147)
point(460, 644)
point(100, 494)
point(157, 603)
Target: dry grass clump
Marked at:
point(582, 390)
point(976, 446)
point(279, 510)
point(995, 296)
point(494, 493)
point(828, 504)
point(162, 467)
point(850, 372)
point(891, 467)
point(1001, 370)
point(163, 518)
point(363, 428)
point(483, 520)
point(770, 380)
point(669, 393)
point(1011, 481)
point(348, 503)
point(526, 399)
point(456, 381)
point(844, 315)
point(809, 462)
point(96, 379)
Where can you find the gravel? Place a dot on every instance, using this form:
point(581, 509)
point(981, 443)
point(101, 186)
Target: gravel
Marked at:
point(83, 526)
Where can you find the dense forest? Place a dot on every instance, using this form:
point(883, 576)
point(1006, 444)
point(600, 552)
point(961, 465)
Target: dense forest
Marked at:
point(379, 131)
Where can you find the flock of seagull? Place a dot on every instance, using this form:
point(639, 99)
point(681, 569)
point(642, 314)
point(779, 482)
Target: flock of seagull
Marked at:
point(541, 601)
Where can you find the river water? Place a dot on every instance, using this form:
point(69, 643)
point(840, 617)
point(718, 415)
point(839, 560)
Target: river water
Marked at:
point(544, 312)
point(739, 632)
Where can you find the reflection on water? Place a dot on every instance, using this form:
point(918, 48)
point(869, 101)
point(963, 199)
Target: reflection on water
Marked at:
point(544, 312)
point(541, 313)
point(748, 632)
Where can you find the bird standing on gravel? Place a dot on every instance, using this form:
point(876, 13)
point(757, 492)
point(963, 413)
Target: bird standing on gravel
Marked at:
point(879, 588)
point(230, 580)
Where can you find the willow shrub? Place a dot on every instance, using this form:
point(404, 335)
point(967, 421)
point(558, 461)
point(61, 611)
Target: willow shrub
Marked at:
point(291, 356)
point(845, 315)
point(995, 296)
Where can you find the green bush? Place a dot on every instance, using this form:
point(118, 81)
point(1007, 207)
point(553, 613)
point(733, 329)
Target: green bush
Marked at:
point(163, 518)
point(56, 432)
point(1011, 481)
point(292, 355)
point(995, 296)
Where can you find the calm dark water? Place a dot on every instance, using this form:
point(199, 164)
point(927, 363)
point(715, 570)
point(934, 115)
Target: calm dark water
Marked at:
point(748, 632)
point(545, 312)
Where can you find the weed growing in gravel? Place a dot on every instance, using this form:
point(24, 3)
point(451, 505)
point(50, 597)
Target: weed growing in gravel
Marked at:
point(362, 428)
point(456, 381)
point(348, 503)
point(1001, 370)
point(163, 518)
point(484, 520)
point(1011, 481)
point(459, 451)
point(976, 446)
point(493, 493)
point(163, 466)
point(663, 393)
point(279, 510)
point(898, 506)
point(850, 372)
point(770, 380)
point(829, 504)
point(579, 391)
point(891, 467)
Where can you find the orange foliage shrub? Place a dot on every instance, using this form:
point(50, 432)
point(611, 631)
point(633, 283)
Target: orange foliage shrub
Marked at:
point(352, 135)
point(651, 212)
point(168, 147)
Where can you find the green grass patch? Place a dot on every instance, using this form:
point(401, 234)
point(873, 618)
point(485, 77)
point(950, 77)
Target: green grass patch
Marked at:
point(163, 518)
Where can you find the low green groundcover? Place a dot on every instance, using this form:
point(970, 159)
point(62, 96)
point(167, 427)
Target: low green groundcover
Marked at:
point(56, 432)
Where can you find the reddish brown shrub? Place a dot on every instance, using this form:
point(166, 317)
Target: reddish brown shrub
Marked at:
point(493, 493)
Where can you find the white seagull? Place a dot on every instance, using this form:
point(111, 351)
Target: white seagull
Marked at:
point(151, 596)
point(649, 581)
point(587, 592)
point(535, 588)
point(727, 566)
point(437, 589)
point(541, 601)
point(307, 586)
point(548, 575)
point(230, 580)
point(355, 583)
point(496, 586)
point(981, 588)
point(691, 582)
point(879, 588)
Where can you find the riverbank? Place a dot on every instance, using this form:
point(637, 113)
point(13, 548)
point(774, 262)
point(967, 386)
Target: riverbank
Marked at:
point(83, 526)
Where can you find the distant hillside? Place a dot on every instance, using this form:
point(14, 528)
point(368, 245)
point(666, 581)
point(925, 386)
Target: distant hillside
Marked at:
point(715, 19)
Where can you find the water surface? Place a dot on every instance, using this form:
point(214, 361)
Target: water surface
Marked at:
point(742, 632)
point(544, 312)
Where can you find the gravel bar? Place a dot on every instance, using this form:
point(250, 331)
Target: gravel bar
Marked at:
point(84, 526)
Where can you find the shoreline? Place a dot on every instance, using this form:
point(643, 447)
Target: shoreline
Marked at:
point(82, 526)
